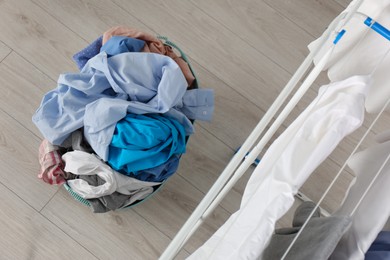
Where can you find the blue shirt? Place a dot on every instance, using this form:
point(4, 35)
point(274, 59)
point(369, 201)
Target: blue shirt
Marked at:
point(121, 44)
point(82, 57)
point(145, 141)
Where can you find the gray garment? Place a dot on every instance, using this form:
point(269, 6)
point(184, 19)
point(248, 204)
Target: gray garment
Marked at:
point(303, 212)
point(77, 142)
point(115, 200)
point(317, 241)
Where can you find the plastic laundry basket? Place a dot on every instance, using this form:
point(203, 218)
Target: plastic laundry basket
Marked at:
point(80, 199)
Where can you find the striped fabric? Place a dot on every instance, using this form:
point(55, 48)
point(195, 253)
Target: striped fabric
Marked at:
point(52, 166)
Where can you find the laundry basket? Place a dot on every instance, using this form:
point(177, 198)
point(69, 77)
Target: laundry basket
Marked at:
point(195, 85)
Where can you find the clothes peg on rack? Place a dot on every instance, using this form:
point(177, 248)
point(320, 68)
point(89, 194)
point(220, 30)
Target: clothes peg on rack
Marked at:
point(255, 162)
point(378, 28)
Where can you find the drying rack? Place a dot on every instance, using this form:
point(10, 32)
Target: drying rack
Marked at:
point(250, 149)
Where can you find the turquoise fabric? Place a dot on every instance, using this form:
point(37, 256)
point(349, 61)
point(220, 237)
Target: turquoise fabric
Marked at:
point(145, 141)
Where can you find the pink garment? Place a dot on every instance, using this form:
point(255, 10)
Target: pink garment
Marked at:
point(153, 45)
point(52, 166)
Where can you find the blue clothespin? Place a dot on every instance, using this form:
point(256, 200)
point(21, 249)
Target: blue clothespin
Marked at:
point(378, 28)
point(255, 163)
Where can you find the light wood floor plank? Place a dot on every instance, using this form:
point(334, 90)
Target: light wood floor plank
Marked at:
point(19, 163)
point(89, 19)
point(343, 3)
point(116, 235)
point(312, 16)
point(38, 37)
point(4, 51)
point(28, 235)
point(230, 107)
point(22, 83)
point(263, 28)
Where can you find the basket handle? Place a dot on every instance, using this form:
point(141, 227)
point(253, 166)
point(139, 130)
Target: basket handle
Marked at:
point(166, 41)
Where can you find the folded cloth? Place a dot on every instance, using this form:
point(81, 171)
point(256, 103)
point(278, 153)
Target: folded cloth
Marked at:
point(145, 141)
point(82, 163)
point(52, 166)
point(153, 45)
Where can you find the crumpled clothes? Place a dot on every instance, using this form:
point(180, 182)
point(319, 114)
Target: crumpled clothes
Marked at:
point(145, 141)
point(115, 200)
point(159, 173)
point(120, 44)
point(143, 82)
point(76, 142)
point(82, 163)
point(82, 57)
point(52, 166)
point(153, 45)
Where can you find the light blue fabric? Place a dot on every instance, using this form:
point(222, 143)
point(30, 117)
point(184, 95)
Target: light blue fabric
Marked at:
point(142, 82)
point(145, 141)
point(108, 88)
point(197, 104)
point(121, 44)
point(62, 110)
point(115, 45)
point(82, 57)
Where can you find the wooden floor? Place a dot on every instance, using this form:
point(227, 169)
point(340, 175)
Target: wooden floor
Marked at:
point(245, 50)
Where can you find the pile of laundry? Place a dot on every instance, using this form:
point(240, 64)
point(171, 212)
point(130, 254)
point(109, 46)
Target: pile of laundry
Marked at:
point(116, 130)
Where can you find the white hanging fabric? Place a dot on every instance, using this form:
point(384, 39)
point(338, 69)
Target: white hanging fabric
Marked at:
point(336, 112)
point(374, 210)
point(360, 50)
